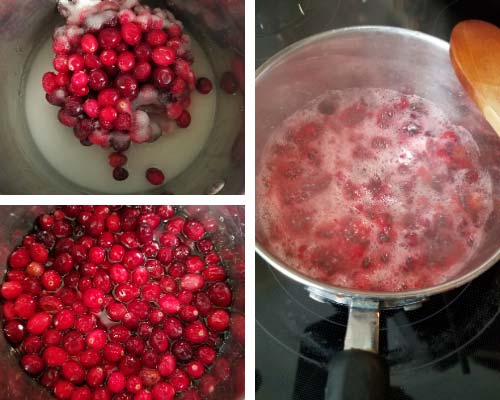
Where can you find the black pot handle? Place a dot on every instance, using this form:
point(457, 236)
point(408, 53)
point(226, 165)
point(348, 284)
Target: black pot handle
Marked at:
point(359, 372)
point(357, 375)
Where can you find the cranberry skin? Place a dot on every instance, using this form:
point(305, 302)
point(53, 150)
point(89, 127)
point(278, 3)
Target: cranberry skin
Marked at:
point(206, 355)
point(93, 298)
point(173, 327)
point(19, 258)
point(182, 350)
point(32, 364)
point(196, 332)
point(218, 320)
point(155, 176)
point(25, 306)
point(163, 391)
point(131, 33)
point(116, 382)
point(179, 380)
point(64, 320)
point(14, 331)
point(163, 55)
point(109, 38)
point(204, 85)
point(192, 282)
point(11, 290)
point(195, 369)
point(54, 356)
point(220, 294)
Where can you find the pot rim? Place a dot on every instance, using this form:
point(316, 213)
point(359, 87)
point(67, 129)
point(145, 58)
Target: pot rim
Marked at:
point(346, 295)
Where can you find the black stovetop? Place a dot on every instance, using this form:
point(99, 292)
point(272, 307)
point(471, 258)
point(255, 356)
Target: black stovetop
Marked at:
point(447, 349)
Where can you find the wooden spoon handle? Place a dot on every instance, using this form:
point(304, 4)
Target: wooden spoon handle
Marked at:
point(475, 56)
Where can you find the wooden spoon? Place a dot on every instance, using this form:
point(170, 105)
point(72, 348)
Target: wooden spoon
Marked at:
point(475, 56)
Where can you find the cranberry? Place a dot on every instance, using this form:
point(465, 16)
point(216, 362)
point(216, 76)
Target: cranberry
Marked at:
point(14, 331)
point(179, 380)
point(116, 382)
point(81, 393)
point(195, 369)
point(126, 61)
point(169, 304)
point(192, 282)
point(134, 384)
point(75, 62)
point(96, 339)
point(73, 372)
point(163, 391)
point(54, 356)
point(155, 176)
point(184, 120)
point(204, 85)
point(64, 320)
point(31, 344)
point(32, 364)
point(207, 385)
point(218, 320)
point(93, 298)
point(25, 306)
point(173, 327)
point(149, 377)
point(182, 350)
point(220, 294)
point(196, 332)
point(120, 173)
point(206, 355)
point(214, 273)
point(143, 52)
point(73, 343)
point(127, 86)
point(109, 38)
point(142, 71)
point(38, 253)
point(95, 376)
point(98, 80)
point(131, 33)
point(11, 290)
point(89, 43)
point(194, 230)
point(162, 77)
point(60, 63)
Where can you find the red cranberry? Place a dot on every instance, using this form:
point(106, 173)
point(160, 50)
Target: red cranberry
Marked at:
point(192, 282)
point(194, 230)
point(73, 372)
point(89, 358)
point(116, 382)
point(206, 355)
point(162, 77)
point(131, 33)
point(195, 369)
point(169, 304)
point(204, 85)
point(127, 86)
point(179, 380)
point(98, 80)
point(150, 358)
point(32, 364)
point(220, 294)
point(63, 389)
point(64, 320)
point(134, 384)
point(14, 331)
point(184, 120)
point(163, 391)
point(120, 174)
point(93, 298)
point(140, 276)
point(218, 320)
point(81, 393)
point(214, 273)
point(109, 38)
point(96, 339)
point(31, 344)
point(167, 365)
point(54, 356)
point(196, 332)
point(229, 83)
point(163, 55)
point(155, 176)
point(89, 43)
point(73, 343)
point(143, 52)
point(95, 376)
point(25, 306)
point(11, 290)
point(173, 327)
point(182, 350)
point(207, 385)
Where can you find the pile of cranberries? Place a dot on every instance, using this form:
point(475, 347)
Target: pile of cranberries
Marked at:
point(110, 302)
point(122, 75)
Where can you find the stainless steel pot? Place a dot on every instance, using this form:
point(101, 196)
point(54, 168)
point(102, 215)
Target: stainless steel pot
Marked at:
point(372, 56)
point(16, 221)
point(26, 24)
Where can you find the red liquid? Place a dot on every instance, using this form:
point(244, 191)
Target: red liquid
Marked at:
point(371, 189)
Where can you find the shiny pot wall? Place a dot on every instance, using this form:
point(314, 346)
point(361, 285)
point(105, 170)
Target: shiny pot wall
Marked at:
point(26, 24)
point(16, 221)
point(384, 57)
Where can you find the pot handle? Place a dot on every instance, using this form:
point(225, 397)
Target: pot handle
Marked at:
point(359, 372)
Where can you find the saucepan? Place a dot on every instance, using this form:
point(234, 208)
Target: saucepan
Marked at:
point(372, 57)
point(25, 25)
point(16, 221)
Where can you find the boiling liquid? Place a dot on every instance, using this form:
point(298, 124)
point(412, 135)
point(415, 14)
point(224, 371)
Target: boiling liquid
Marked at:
point(372, 189)
point(88, 166)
